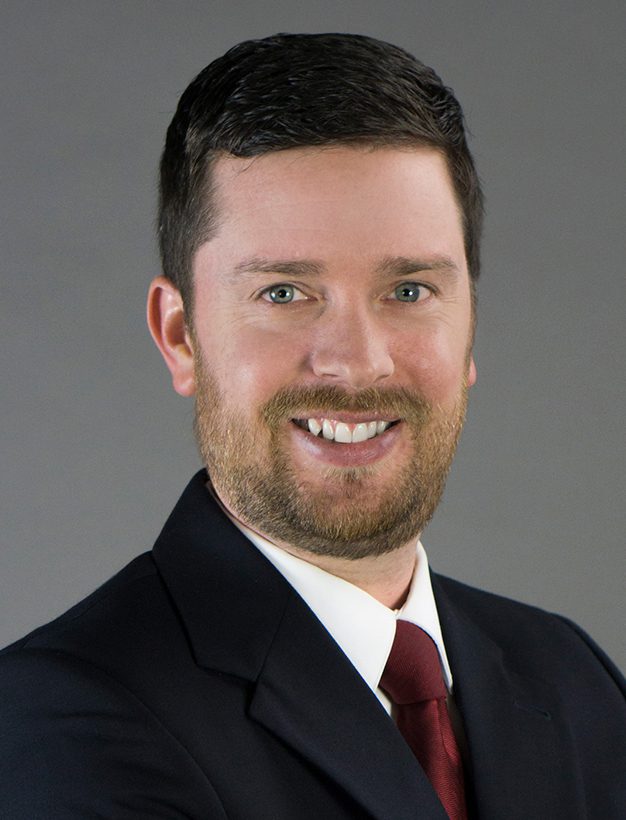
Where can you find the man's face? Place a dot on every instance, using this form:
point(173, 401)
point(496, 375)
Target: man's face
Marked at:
point(332, 329)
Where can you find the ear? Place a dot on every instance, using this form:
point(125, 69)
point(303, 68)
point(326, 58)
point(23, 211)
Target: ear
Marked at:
point(472, 375)
point(166, 320)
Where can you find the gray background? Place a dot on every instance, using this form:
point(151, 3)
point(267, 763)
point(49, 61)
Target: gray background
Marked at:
point(95, 445)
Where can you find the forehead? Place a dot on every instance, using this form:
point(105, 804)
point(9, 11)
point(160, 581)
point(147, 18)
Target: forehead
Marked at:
point(335, 202)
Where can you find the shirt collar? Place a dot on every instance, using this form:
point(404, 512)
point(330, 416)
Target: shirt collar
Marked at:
point(363, 627)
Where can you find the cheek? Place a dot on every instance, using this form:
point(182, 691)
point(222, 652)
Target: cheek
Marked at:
point(436, 366)
point(251, 366)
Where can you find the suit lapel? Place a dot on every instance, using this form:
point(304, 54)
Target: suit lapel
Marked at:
point(229, 597)
point(243, 618)
point(312, 697)
point(521, 762)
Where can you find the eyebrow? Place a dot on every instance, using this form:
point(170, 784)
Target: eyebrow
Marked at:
point(389, 266)
point(289, 267)
point(405, 266)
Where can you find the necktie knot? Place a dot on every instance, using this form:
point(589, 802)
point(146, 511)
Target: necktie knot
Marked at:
point(413, 672)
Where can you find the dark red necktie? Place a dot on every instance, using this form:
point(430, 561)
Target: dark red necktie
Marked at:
point(413, 680)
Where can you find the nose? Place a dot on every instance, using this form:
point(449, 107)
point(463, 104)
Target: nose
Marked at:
point(351, 348)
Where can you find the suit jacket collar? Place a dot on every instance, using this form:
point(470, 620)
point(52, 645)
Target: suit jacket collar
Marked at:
point(228, 595)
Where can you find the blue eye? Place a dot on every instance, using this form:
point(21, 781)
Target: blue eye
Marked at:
point(281, 294)
point(408, 292)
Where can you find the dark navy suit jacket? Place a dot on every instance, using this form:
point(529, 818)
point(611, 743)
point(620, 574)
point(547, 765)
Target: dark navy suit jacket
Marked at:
point(197, 684)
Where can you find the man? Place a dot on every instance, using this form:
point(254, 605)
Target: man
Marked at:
point(319, 227)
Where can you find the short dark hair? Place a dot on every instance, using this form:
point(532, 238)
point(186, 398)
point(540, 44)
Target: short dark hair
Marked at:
point(297, 90)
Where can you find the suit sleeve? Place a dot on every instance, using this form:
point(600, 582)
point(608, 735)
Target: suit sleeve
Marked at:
point(76, 744)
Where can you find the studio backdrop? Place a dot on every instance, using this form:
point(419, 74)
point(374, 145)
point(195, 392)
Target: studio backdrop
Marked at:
point(96, 446)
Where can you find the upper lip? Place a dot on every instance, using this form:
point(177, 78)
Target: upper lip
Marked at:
point(347, 418)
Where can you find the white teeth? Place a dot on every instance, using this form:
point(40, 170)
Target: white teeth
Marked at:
point(359, 433)
point(341, 432)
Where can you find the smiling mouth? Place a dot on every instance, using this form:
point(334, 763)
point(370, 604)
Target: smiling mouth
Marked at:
point(342, 432)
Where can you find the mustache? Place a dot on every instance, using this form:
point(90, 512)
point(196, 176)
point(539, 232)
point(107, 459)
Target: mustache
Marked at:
point(296, 402)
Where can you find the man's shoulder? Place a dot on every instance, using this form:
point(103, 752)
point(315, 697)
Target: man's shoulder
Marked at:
point(85, 694)
point(122, 646)
point(111, 630)
point(112, 599)
point(482, 604)
point(123, 616)
point(497, 613)
point(531, 639)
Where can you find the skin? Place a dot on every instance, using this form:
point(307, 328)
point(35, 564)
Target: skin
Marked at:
point(336, 224)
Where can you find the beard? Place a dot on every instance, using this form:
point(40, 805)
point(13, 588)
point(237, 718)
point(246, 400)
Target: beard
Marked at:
point(349, 512)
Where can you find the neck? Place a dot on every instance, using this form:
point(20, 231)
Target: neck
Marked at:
point(385, 577)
